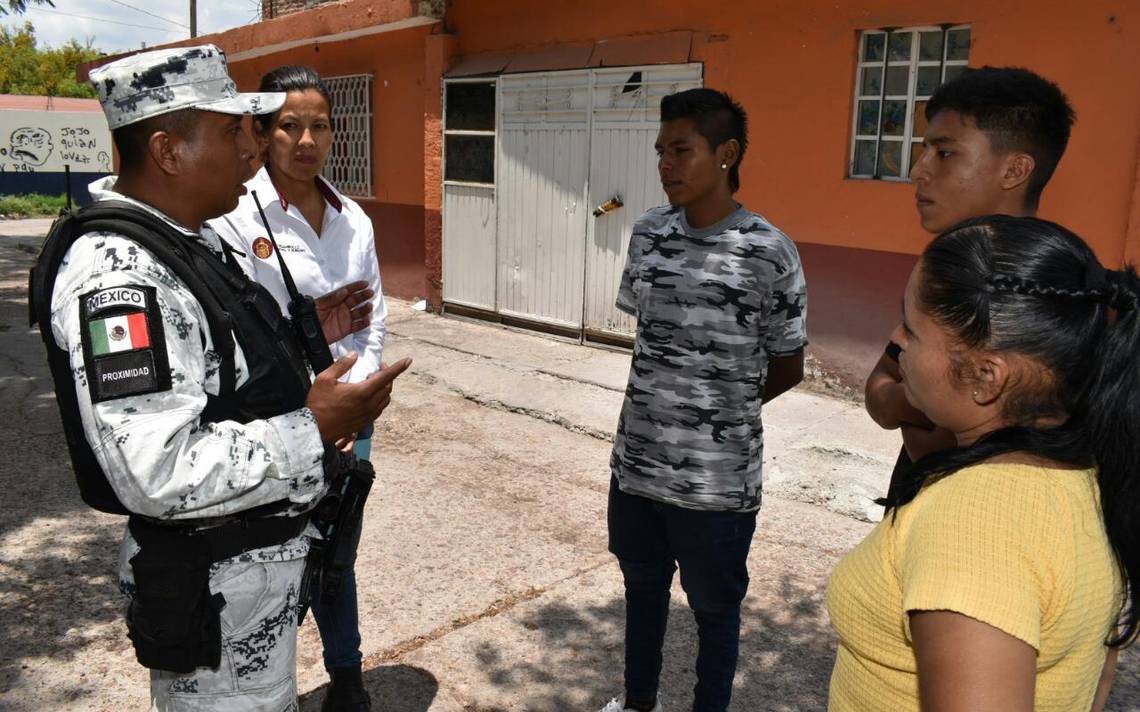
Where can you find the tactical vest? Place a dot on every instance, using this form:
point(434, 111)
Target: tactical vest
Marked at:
point(278, 379)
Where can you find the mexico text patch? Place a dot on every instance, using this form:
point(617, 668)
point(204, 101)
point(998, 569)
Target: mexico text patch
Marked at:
point(124, 347)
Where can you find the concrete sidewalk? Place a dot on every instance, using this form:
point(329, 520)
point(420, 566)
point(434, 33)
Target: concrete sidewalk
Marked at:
point(484, 579)
point(818, 449)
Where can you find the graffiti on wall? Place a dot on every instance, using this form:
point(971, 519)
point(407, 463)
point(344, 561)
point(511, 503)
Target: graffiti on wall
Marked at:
point(46, 141)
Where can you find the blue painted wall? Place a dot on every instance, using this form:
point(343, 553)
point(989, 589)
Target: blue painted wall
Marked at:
point(14, 183)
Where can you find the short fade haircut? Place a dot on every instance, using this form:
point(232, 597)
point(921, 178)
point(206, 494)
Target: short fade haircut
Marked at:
point(716, 116)
point(1018, 110)
point(133, 140)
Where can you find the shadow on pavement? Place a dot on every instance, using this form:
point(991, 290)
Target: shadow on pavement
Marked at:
point(57, 581)
point(60, 599)
point(394, 688)
point(35, 474)
point(1125, 695)
point(784, 662)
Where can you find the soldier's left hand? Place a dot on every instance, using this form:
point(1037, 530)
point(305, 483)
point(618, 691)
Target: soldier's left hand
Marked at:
point(345, 311)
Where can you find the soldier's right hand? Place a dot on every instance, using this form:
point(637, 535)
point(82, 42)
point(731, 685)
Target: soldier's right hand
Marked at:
point(342, 409)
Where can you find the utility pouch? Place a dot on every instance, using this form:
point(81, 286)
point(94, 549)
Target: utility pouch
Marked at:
point(173, 620)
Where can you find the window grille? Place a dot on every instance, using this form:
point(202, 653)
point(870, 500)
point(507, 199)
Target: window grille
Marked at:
point(349, 165)
point(898, 71)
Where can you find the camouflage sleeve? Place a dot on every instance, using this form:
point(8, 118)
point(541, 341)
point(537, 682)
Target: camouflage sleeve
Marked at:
point(785, 331)
point(626, 299)
point(161, 460)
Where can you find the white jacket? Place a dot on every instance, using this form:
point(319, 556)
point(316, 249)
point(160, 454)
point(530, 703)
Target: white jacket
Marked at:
point(345, 252)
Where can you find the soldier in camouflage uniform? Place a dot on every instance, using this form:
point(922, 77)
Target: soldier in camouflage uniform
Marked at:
point(720, 301)
point(176, 120)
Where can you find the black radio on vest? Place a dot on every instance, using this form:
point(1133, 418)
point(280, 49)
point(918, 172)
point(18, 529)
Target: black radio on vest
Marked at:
point(302, 308)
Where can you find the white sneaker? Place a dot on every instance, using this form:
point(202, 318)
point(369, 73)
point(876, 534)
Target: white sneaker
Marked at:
point(614, 706)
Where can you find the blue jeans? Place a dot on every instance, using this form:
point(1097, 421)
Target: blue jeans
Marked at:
point(338, 620)
point(651, 540)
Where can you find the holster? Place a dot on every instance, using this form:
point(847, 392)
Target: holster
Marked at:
point(173, 619)
point(337, 516)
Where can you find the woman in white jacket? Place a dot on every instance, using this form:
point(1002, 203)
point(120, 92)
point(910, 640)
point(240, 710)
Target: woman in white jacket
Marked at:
point(326, 241)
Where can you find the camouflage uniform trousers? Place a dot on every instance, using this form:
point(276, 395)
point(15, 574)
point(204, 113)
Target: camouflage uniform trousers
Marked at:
point(259, 636)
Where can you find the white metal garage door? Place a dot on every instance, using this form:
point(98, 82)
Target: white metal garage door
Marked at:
point(566, 143)
point(544, 133)
point(625, 118)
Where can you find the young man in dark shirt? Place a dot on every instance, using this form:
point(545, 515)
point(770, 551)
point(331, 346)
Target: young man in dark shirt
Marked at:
point(994, 138)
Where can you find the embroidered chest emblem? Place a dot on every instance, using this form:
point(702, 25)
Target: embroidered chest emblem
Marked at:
point(263, 248)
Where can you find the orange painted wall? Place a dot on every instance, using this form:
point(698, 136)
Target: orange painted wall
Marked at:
point(792, 64)
point(396, 61)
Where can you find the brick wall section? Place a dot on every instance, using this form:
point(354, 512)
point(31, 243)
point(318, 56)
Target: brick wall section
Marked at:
point(439, 53)
point(277, 8)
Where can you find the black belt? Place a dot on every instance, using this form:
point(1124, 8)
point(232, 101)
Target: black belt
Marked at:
point(226, 540)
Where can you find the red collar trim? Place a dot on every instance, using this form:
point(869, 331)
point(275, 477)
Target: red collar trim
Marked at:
point(280, 198)
point(330, 195)
point(326, 192)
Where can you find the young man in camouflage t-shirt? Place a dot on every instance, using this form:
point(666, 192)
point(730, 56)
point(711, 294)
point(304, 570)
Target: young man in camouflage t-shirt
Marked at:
point(719, 297)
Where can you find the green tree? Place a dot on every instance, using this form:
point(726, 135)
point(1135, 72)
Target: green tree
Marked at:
point(27, 69)
point(19, 7)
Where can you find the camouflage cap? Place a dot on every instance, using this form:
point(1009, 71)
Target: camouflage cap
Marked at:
point(158, 82)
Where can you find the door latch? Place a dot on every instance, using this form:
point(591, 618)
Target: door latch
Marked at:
point(609, 206)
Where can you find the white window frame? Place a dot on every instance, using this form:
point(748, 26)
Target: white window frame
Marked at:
point(493, 82)
point(908, 141)
point(349, 165)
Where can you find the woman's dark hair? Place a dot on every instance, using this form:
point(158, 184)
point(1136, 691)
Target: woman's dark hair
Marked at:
point(716, 116)
point(289, 78)
point(1031, 287)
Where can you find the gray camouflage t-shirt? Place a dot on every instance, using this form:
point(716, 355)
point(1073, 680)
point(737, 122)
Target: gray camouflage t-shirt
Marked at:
point(712, 306)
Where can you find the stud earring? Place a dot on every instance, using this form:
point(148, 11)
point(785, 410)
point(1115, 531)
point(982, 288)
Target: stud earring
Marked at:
point(724, 166)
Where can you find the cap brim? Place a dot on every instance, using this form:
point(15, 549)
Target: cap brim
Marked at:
point(250, 103)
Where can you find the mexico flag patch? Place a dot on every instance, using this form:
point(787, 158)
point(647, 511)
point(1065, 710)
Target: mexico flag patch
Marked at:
point(124, 349)
point(118, 333)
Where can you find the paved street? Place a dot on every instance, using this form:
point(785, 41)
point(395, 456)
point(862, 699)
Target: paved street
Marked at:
point(484, 578)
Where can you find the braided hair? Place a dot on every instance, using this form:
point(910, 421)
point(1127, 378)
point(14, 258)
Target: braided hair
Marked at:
point(1031, 287)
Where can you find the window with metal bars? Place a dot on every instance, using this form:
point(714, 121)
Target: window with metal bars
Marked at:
point(898, 71)
point(349, 165)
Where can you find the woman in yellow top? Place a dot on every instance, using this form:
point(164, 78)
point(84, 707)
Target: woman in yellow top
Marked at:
point(1006, 572)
